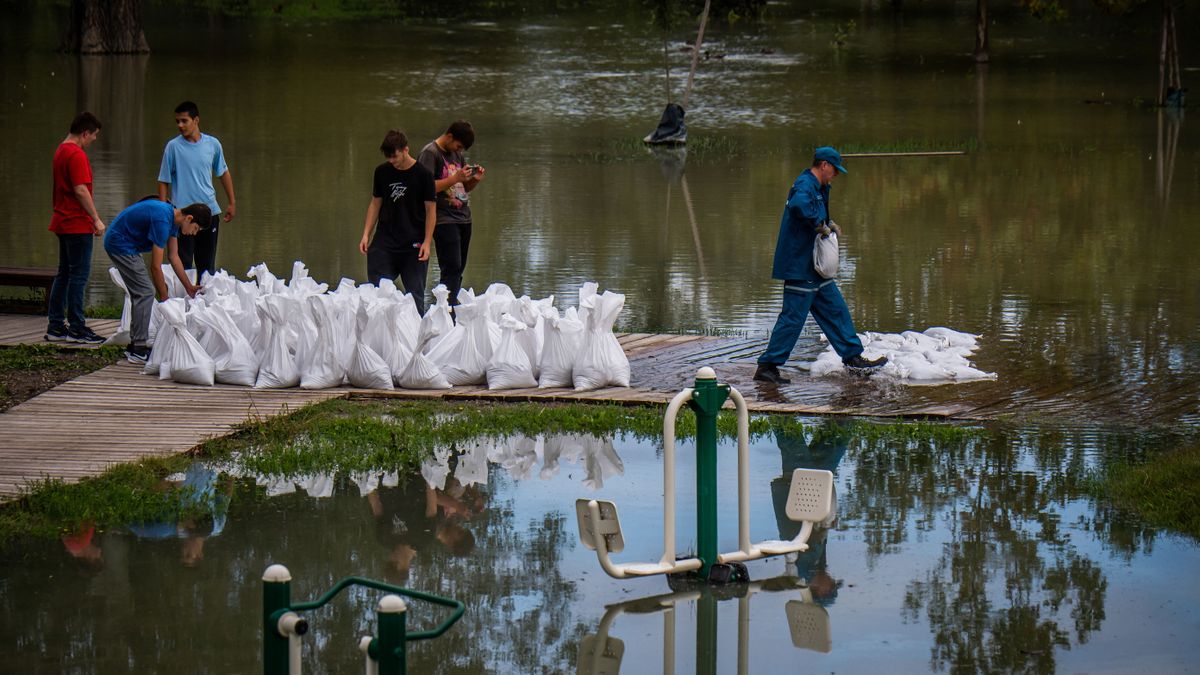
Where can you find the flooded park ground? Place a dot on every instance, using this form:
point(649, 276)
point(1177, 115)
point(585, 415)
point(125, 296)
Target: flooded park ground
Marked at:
point(1064, 236)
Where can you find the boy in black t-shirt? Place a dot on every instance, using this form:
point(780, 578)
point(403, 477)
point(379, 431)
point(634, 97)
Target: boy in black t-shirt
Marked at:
point(404, 205)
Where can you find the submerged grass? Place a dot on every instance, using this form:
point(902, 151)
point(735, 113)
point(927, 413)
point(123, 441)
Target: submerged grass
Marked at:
point(127, 493)
point(1165, 490)
point(341, 436)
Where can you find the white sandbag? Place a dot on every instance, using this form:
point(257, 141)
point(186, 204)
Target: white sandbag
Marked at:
point(277, 368)
point(232, 355)
point(121, 337)
point(421, 373)
point(953, 338)
point(182, 359)
point(564, 336)
point(175, 289)
point(531, 312)
point(268, 284)
point(935, 357)
point(154, 363)
point(509, 367)
point(367, 369)
point(498, 297)
point(825, 255)
point(601, 360)
point(467, 362)
point(587, 293)
point(343, 311)
point(437, 322)
point(246, 319)
point(216, 285)
point(324, 366)
point(408, 321)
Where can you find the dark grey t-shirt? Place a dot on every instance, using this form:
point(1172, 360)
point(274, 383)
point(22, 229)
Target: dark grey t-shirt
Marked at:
point(453, 203)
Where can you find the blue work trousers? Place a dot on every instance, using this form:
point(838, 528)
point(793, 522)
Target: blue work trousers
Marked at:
point(828, 307)
point(74, 267)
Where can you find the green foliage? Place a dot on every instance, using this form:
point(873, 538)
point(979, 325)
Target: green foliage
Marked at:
point(51, 358)
point(126, 493)
point(1165, 490)
point(842, 33)
point(104, 311)
point(343, 436)
point(1045, 10)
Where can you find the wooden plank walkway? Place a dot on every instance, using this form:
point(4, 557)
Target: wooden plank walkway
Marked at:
point(117, 415)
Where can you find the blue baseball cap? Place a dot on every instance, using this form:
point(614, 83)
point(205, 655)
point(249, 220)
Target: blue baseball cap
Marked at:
point(828, 154)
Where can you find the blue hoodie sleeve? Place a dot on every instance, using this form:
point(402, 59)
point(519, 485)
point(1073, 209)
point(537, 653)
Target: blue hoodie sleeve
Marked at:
point(806, 204)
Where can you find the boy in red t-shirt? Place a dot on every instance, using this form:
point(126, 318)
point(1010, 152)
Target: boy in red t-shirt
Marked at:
point(76, 223)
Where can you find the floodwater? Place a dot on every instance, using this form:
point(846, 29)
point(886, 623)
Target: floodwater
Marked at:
point(969, 555)
point(1065, 236)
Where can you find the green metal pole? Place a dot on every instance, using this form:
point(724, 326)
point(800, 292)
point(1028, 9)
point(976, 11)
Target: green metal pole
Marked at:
point(706, 633)
point(277, 596)
point(707, 399)
point(393, 653)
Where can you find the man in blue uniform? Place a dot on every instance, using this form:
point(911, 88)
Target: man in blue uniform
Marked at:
point(805, 216)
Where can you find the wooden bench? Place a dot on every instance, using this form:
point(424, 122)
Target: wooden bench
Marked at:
point(30, 277)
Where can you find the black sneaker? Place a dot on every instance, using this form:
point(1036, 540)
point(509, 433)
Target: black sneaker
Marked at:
point(57, 334)
point(769, 373)
point(859, 362)
point(137, 355)
point(85, 336)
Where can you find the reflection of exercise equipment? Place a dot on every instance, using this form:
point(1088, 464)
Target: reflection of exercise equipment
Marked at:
point(385, 655)
point(601, 654)
point(809, 498)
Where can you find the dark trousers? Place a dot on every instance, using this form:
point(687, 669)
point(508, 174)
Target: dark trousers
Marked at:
point(399, 265)
point(74, 268)
point(452, 240)
point(828, 307)
point(140, 287)
point(199, 251)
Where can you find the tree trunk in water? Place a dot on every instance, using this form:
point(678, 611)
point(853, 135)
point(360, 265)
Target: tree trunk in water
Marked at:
point(105, 27)
point(667, 67)
point(981, 31)
point(687, 93)
point(1170, 80)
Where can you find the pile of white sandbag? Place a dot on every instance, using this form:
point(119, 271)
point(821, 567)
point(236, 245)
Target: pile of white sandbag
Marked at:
point(937, 356)
point(268, 333)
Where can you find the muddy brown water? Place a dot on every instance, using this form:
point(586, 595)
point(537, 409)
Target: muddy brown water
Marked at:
point(1065, 236)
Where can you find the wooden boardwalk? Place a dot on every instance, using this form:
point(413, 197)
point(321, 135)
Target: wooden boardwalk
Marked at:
point(117, 415)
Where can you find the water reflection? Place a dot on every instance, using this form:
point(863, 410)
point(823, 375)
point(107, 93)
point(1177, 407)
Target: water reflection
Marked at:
point(982, 553)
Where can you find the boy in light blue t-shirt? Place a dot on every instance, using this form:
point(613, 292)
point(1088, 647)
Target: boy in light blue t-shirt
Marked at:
point(189, 162)
point(150, 226)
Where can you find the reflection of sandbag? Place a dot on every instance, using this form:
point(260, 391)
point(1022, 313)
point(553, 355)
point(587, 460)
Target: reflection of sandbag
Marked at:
point(181, 358)
point(278, 368)
point(601, 461)
point(564, 335)
point(367, 369)
point(510, 367)
point(601, 360)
